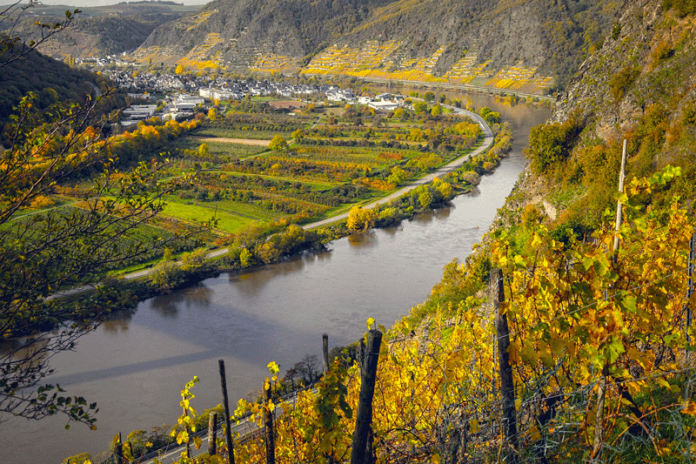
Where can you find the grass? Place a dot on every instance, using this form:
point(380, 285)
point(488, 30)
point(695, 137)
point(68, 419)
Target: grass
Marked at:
point(193, 213)
point(239, 133)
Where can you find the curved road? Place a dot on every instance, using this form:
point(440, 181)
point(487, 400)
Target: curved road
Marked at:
point(487, 142)
point(489, 137)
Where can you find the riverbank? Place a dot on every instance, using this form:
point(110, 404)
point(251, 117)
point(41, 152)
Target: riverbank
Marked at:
point(135, 364)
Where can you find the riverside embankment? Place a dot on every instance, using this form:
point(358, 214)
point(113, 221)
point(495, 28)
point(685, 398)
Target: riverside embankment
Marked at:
point(135, 365)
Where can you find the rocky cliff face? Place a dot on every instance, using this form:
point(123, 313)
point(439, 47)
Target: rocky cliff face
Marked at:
point(641, 87)
point(548, 37)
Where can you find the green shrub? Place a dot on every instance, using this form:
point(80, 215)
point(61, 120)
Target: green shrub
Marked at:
point(549, 144)
point(621, 81)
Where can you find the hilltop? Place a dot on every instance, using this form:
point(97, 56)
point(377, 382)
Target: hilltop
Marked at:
point(100, 31)
point(530, 46)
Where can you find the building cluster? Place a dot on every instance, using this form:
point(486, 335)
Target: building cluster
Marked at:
point(186, 93)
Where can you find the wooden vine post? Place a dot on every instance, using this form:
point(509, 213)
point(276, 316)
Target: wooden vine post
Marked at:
point(325, 351)
point(268, 425)
point(118, 450)
point(507, 385)
point(690, 289)
point(367, 391)
point(212, 433)
point(226, 404)
point(602, 386)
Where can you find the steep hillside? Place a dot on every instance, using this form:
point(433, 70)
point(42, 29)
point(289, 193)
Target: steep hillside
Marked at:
point(640, 86)
point(582, 350)
point(100, 31)
point(523, 45)
point(52, 80)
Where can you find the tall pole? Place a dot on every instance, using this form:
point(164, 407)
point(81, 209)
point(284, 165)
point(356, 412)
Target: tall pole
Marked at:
point(363, 423)
point(690, 289)
point(325, 351)
point(507, 385)
point(268, 426)
point(226, 403)
point(602, 386)
point(622, 179)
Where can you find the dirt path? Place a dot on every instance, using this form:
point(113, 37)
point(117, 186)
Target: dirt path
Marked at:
point(261, 143)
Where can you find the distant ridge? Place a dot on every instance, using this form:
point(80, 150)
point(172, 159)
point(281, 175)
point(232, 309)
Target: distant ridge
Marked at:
point(505, 44)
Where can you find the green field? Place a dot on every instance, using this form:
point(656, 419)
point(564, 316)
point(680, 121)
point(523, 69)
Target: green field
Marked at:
point(341, 161)
point(196, 214)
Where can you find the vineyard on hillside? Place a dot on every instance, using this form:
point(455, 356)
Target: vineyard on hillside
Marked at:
point(600, 357)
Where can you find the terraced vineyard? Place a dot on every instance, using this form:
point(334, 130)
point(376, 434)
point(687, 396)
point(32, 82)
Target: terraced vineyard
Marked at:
point(260, 169)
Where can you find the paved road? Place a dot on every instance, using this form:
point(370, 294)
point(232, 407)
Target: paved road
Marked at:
point(487, 142)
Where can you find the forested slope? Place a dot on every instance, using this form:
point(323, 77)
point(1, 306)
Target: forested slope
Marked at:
point(52, 80)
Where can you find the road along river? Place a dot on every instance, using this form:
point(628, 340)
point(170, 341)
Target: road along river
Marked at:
point(135, 365)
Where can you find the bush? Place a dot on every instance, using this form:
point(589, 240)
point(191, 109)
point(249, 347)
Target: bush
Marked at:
point(621, 81)
point(550, 144)
point(195, 260)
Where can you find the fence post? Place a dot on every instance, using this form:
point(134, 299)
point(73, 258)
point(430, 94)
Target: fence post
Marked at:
point(118, 450)
point(507, 386)
point(361, 354)
point(367, 390)
point(602, 387)
point(622, 179)
point(325, 350)
point(226, 403)
point(212, 433)
point(690, 290)
point(268, 426)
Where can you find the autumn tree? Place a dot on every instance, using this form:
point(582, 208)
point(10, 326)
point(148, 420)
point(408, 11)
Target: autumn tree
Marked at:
point(278, 143)
point(360, 218)
point(61, 248)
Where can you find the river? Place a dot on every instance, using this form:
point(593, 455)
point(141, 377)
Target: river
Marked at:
point(135, 365)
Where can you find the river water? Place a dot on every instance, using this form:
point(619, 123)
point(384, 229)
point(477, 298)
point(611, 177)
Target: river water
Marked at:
point(135, 365)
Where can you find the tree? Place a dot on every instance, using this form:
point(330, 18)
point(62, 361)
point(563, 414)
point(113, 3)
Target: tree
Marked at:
point(14, 47)
point(436, 111)
point(360, 219)
point(58, 249)
point(213, 114)
point(180, 69)
point(298, 135)
point(278, 143)
point(429, 96)
point(420, 107)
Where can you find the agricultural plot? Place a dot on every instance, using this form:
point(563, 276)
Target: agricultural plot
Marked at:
point(336, 159)
point(328, 162)
point(216, 151)
point(197, 213)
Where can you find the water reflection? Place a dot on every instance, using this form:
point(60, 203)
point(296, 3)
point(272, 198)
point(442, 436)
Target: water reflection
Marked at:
point(251, 282)
point(364, 240)
point(198, 296)
point(119, 325)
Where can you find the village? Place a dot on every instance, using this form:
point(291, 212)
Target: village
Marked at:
point(176, 97)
